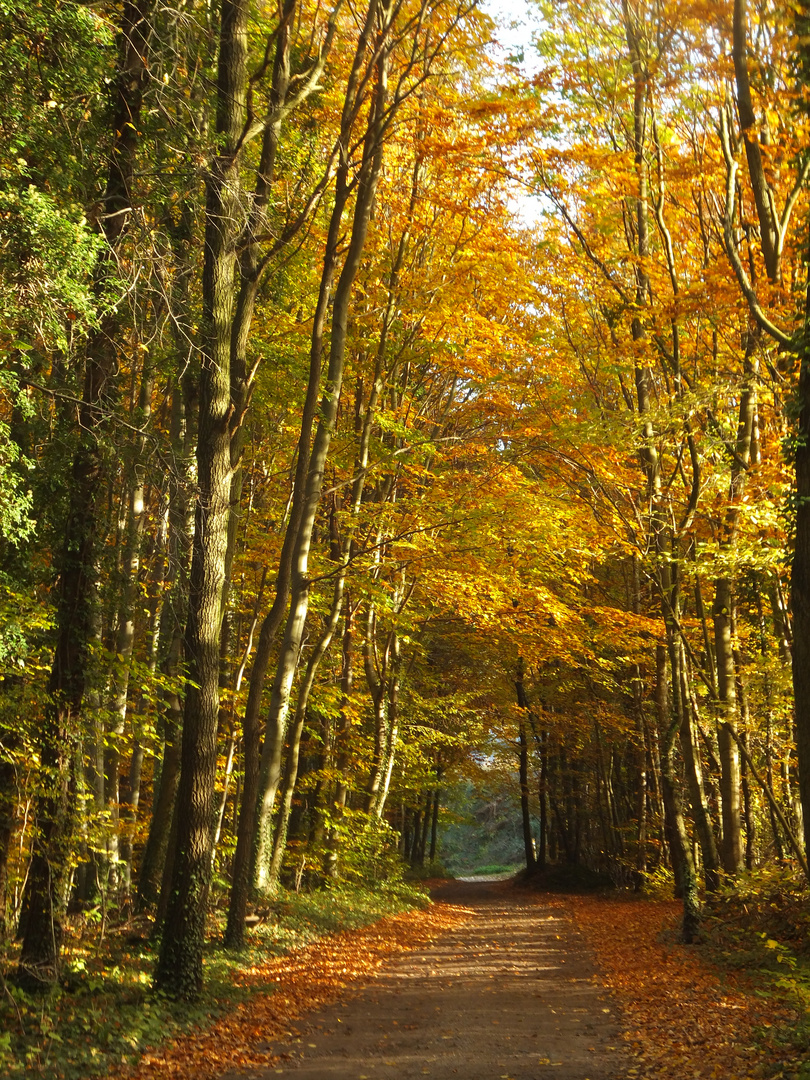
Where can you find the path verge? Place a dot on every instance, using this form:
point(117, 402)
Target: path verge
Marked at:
point(303, 980)
point(685, 1019)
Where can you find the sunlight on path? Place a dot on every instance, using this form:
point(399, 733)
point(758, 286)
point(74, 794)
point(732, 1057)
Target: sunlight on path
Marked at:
point(509, 994)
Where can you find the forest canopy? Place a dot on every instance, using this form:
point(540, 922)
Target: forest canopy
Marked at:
point(388, 426)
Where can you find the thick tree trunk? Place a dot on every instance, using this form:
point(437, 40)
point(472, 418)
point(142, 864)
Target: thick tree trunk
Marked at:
point(50, 871)
point(179, 968)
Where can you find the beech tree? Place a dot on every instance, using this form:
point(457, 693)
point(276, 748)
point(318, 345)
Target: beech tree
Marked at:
point(329, 482)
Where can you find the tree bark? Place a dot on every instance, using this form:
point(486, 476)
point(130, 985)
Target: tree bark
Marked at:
point(682, 860)
point(723, 615)
point(179, 967)
point(523, 745)
point(291, 771)
point(694, 771)
point(800, 576)
point(50, 871)
point(371, 164)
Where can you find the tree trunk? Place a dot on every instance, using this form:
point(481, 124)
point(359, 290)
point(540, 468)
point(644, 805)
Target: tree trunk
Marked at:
point(542, 848)
point(392, 727)
point(125, 635)
point(525, 813)
point(270, 767)
point(434, 822)
point(291, 771)
point(170, 645)
point(9, 796)
point(682, 859)
point(50, 870)
point(641, 809)
point(250, 271)
point(800, 577)
point(694, 771)
point(179, 967)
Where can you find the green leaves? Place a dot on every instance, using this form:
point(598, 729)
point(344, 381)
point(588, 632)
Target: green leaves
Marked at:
point(47, 256)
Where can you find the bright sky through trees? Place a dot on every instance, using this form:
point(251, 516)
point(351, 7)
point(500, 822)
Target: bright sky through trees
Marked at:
point(324, 476)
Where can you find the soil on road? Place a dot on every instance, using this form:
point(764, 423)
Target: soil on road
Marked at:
point(511, 993)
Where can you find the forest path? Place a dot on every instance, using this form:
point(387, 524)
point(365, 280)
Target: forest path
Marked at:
point(510, 993)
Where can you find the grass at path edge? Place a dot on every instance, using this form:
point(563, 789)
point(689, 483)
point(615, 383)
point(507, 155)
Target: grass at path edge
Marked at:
point(103, 1017)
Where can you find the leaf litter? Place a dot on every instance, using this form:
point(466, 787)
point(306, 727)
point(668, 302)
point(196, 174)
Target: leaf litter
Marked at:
point(684, 1018)
point(288, 987)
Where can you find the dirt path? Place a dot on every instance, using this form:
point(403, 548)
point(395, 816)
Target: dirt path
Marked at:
point(511, 993)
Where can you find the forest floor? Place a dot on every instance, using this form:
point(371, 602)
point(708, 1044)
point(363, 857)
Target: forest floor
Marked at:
point(498, 981)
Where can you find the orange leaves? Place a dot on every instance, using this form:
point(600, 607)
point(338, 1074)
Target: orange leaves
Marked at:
point(287, 987)
point(681, 1018)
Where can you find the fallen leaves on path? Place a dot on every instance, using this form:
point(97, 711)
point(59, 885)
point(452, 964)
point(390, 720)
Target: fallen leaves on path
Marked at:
point(683, 1019)
point(304, 979)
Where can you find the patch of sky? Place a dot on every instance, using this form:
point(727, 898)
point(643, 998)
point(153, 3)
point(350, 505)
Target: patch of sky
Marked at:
point(517, 23)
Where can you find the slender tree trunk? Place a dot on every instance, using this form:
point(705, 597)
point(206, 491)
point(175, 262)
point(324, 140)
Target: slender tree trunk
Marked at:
point(250, 270)
point(376, 681)
point(255, 764)
point(681, 850)
point(523, 744)
point(9, 800)
point(641, 809)
point(771, 251)
point(270, 767)
point(291, 771)
point(170, 644)
point(543, 846)
point(125, 635)
point(132, 793)
point(748, 815)
point(434, 820)
point(729, 755)
point(426, 822)
point(800, 577)
point(392, 727)
point(694, 771)
point(723, 616)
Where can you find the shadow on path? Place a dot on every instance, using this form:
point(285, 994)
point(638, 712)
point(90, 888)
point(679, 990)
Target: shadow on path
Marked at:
point(511, 993)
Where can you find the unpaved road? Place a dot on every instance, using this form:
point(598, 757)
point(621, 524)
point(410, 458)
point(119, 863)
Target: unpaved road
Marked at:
point(511, 993)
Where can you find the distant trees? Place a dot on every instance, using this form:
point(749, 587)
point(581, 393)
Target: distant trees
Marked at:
point(326, 485)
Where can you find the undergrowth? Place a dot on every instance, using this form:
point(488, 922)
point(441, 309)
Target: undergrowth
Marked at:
point(759, 926)
point(104, 1013)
